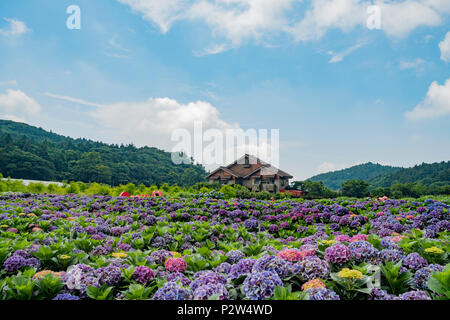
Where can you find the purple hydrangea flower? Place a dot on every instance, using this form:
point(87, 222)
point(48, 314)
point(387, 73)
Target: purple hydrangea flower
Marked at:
point(251, 224)
point(124, 246)
point(14, 263)
point(322, 294)
point(79, 277)
point(33, 263)
point(414, 261)
point(22, 253)
point(272, 263)
point(178, 276)
point(380, 294)
point(311, 268)
point(363, 251)
point(224, 267)
point(337, 253)
point(243, 267)
point(415, 295)
point(161, 256)
point(206, 277)
point(110, 275)
point(261, 285)
point(172, 291)
point(422, 275)
point(208, 290)
point(66, 296)
point(234, 256)
point(143, 274)
point(391, 255)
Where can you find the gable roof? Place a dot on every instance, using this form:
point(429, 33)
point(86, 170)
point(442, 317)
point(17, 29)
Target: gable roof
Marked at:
point(223, 169)
point(256, 165)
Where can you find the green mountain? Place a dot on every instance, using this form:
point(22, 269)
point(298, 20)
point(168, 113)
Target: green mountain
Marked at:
point(430, 175)
point(27, 152)
point(366, 172)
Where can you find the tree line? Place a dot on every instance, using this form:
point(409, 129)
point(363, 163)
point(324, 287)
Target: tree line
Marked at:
point(32, 153)
point(359, 188)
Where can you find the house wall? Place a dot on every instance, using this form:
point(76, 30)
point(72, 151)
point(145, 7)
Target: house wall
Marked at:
point(224, 177)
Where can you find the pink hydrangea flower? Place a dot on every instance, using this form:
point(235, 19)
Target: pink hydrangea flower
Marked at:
point(358, 237)
point(397, 238)
point(314, 283)
point(292, 255)
point(342, 238)
point(176, 264)
point(307, 253)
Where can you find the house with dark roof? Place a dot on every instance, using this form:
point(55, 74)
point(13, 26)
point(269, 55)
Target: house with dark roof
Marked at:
point(252, 173)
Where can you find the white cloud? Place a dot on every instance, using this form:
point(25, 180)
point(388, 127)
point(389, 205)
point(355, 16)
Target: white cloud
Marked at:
point(152, 123)
point(214, 49)
point(116, 45)
point(12, 118)
point(158, 116)
point(338, 57)
point(440, 5)
point(117, 55)
point(8, 83)
point(329, 167)
point(329, 14)
point(240, 20)
point(161, 12)
point(400, 18)
point(435, 104)
point(19, 103)
point(16, 27)
point(70, 99)
point(237, 21)
point(444, 45)
point(417, 64)
point(325, 167)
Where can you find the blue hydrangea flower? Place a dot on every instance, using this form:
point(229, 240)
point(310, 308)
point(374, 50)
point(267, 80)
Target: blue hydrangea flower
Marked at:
point(178, 276)
point(422, 275)
point(234, 256)
point(415, 295)
point(261, 285)
point(243, 267)
point(414, 261)
point(322, 294)
point(391, 255)
point(224, 267)
point(208, 290)
point(363, 251)
point(172, 291)
point(66, 296)
point(110, 275)
point(272, 263)
point(311, 268)
point(14, 263)
point(206, 277)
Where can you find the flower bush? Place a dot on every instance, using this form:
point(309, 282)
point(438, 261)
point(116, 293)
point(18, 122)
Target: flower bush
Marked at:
point(76, 247)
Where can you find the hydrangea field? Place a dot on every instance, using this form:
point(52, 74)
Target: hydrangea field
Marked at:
point(75, 247)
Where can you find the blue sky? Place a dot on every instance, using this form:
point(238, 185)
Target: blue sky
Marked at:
point(339, 93)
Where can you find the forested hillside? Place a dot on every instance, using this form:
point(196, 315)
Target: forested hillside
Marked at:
point(430, 175)
point(366, 172)
point(28, 152)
